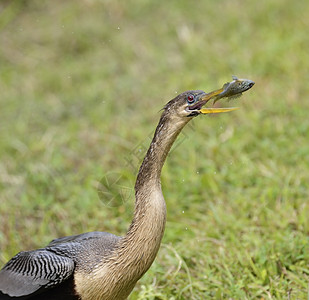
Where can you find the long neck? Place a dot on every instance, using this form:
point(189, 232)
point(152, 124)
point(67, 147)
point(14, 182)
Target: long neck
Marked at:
point(148, 186)
point(116, 277)
point(142, 241)
point(164, 137)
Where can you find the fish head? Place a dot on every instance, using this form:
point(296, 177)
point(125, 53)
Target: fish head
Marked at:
point(239, 85)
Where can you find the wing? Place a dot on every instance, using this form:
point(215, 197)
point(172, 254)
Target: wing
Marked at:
point(34, 271)
point(81, 238)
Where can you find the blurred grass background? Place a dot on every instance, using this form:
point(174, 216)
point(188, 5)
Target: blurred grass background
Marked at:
point(81, 86)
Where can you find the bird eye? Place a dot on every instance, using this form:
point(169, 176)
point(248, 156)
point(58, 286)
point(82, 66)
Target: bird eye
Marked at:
point(190, 99)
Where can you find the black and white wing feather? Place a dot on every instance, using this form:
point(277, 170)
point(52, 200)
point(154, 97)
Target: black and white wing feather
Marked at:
point(33, 271)
point(39, 271)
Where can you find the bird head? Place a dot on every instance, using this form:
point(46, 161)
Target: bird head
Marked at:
point(190, 104)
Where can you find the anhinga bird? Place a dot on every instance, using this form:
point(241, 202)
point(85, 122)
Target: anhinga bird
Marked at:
point(100, 265)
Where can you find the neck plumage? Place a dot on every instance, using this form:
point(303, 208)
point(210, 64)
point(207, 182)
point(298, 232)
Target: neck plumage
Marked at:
point(138, 248)
point(143, 238)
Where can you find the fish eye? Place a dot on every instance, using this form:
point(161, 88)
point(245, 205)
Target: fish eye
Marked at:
point(190, 99)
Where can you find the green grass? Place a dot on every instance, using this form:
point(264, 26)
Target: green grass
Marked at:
point(81, 88)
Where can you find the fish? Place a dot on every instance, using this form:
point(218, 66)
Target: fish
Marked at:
point(233, 89)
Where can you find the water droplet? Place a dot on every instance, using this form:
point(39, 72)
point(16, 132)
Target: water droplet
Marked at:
point(118, 27)
point(186, 228)
point(183, 211)
point(197, 172)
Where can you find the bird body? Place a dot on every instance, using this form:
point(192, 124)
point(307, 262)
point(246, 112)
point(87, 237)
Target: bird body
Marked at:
point(39, 271)
point(100, 265)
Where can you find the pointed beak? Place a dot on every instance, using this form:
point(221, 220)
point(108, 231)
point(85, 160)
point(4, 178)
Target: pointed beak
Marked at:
point(214, 110)
point(230, 89)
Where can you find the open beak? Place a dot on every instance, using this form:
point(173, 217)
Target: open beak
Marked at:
point(213, 110)
point(229, 90)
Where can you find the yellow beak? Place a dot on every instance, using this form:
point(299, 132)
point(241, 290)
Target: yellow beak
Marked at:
point(214, 110)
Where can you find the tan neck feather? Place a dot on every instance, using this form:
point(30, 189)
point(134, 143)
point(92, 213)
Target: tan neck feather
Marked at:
point(136, 252)
point(142, 241)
